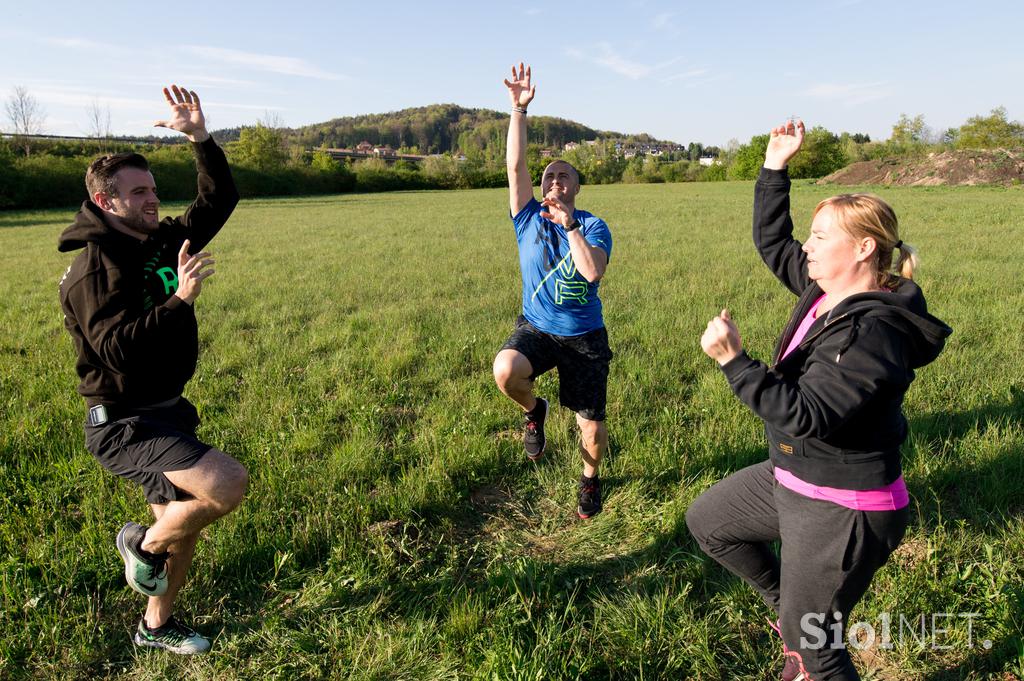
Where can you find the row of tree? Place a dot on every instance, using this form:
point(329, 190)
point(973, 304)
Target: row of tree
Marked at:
point(464, 148)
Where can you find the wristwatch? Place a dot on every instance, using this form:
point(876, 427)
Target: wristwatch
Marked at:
point(575, 224)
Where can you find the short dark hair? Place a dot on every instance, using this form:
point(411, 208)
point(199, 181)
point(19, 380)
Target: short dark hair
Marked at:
point(100, 175)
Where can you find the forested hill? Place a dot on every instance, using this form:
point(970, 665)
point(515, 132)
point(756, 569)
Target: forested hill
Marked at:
point(439, 128)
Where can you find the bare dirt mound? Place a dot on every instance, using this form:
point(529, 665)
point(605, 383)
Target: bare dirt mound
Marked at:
point(962, 167)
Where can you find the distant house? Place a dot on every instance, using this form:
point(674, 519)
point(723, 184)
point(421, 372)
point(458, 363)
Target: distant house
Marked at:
point(364, 147)
point(547, 153)
point(591, 143)
point(384, 151)
point(708, 160)
point(569, 146)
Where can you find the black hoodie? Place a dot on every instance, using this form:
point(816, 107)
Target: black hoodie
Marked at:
point(137, 343)
point(832, 408)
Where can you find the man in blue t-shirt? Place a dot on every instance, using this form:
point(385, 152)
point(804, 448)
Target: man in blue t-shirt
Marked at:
point(563, 254)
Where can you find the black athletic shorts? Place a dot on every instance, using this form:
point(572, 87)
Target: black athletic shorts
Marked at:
point(142, 444)
point(582, 363)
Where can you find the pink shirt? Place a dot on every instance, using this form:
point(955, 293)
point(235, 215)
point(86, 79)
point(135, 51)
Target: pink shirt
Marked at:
point(891, 497)
point(805, 325)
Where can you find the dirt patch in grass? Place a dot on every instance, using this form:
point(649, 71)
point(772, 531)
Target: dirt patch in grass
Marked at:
point(511, 520)
point(874, 663)
point(489, 499)
point(960, 167)
point(911, 552)
point(509, 435)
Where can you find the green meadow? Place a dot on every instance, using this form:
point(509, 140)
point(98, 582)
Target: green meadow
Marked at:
point(393, 528)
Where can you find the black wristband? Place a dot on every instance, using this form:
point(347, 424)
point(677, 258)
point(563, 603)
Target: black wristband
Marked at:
point(575, 224)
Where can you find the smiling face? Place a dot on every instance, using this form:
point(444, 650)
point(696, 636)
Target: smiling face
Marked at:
point(562, 180)
point(135, 202)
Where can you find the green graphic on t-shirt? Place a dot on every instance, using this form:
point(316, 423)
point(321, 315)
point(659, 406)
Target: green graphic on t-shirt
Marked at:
point(170, 279)
point(570, 290)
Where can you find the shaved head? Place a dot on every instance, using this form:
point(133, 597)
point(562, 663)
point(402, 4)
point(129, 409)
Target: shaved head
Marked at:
point(560, 162)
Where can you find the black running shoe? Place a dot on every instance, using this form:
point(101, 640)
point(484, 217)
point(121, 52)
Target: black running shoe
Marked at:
point(590, 497)
point(533, 430)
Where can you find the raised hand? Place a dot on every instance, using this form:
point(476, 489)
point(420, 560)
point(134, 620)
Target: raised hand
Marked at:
point(520, 91)
point(783, 143)
point(721, 340)
point(191, 273)
point(557, 211)
point(186, 114)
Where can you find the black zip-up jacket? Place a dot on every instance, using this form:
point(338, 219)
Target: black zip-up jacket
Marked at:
point(832, 408)
point(137, 344)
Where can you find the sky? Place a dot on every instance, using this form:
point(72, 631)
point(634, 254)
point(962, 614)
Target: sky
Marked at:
point(681, 71)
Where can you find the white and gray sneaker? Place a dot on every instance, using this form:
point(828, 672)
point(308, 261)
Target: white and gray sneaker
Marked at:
point(173, 636)
point(145, 572)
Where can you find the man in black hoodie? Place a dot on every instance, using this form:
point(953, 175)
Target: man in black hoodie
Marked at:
point(127, 301)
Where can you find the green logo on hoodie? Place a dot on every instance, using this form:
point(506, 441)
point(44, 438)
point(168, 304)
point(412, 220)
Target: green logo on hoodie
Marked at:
point(170, 279)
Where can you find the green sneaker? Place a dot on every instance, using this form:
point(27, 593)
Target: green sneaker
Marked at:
point(145, 572)
point(173, 636)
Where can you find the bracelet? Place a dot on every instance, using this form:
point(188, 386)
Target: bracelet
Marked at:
point(575, 224)
point(519, 109)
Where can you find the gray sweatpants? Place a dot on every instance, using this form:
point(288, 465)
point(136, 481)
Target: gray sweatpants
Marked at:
point(829, 553)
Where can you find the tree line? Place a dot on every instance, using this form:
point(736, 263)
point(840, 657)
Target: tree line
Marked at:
point(464, 148)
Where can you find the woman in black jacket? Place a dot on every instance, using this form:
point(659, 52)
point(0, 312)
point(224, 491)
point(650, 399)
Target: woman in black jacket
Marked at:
point(832, 490)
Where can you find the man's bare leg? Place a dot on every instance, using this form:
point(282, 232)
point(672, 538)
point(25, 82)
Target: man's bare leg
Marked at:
point(512, 371)
point(593, 444)
point(160, 608)
point(216, 483)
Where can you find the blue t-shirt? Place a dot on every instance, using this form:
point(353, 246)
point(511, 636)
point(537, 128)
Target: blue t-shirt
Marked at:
point(557, 299)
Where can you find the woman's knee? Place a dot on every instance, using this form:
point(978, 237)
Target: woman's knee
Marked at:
point(701, 520)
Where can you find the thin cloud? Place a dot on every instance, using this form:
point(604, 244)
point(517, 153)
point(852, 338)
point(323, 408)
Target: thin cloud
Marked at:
point(850, 94)
point(85, 98)
point(289, 66)
point(77, 44)
point(616, 63)
point(632, 69)
point(665, 22)
point(611, 60)
point(244, 107)
point(84, 44)
point(687, 75)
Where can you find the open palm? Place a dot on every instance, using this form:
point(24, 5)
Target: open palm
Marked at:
point(520, 90)
point(186, 113)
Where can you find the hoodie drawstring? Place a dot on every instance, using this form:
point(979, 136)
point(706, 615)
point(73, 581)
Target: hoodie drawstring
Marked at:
point(850, 337)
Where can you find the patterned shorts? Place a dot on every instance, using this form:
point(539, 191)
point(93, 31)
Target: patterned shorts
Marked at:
point(582, 363)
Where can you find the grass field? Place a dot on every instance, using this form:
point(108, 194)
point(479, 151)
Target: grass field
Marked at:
point(393, 528)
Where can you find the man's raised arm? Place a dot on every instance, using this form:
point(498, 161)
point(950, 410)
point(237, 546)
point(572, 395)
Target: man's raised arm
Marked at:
point(520, 186)
point(218, 195)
